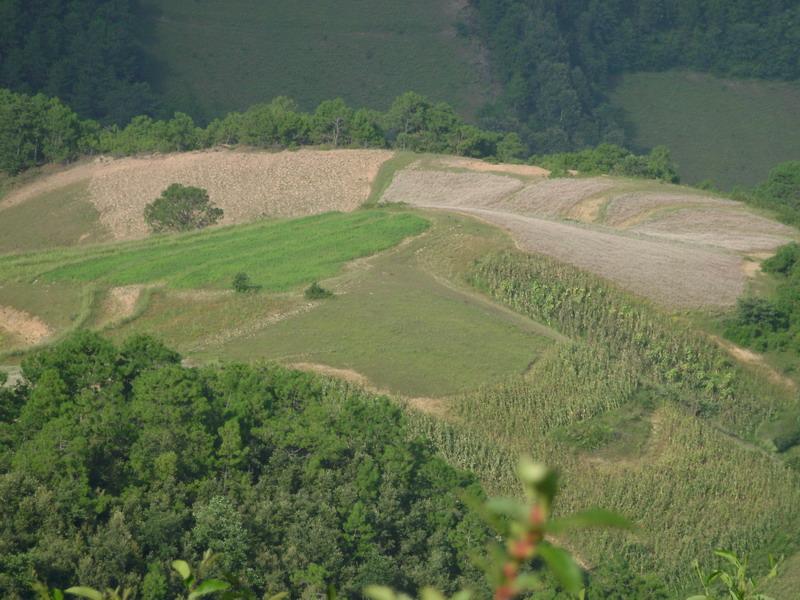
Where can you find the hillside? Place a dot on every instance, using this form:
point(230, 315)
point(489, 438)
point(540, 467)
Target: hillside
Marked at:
point(209, 59)
point(728, 131)
point(493, 351)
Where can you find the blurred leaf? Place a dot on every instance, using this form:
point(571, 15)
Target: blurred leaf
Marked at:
point(528, 582)
point(506, 507)
point(280, 596)
point(594, 517)
point(209, 586)
point(85, 592)
point(563, 567)
point(729, 556)
point(462, 595)
point(183, 569)
point(379, 592)
point(429, 593)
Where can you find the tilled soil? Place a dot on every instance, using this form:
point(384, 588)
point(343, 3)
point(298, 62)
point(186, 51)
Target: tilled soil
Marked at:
point(247, 185)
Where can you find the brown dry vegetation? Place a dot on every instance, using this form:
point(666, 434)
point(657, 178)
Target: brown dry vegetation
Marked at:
point(246, 185)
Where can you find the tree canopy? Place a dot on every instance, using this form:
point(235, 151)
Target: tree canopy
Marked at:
point(114, 460)
point(181, 208)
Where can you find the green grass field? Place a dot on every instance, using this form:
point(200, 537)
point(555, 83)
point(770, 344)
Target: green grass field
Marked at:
point(730, 131)
point(221, 56)
point(403, 319)
point(63, 217)
point(405, 328)
point(277, 255)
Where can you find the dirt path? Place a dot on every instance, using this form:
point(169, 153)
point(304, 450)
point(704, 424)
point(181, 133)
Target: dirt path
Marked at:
point(436, 407)
point(748, 357)
point(14, 374)
point(29, 329)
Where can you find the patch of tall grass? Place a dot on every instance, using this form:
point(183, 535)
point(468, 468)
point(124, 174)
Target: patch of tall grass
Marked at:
point(660, 348)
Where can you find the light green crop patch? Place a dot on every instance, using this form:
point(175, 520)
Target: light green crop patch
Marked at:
point(277, 255)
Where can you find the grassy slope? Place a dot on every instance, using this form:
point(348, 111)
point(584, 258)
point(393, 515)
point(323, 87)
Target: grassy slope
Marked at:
point(729, 131)
point(277, 255)
point(403, 326)
point(223, 56)
point(63, 217)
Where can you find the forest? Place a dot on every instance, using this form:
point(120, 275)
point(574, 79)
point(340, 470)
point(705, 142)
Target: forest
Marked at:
point(36, 130)
point(556, 59)
point(116, 460)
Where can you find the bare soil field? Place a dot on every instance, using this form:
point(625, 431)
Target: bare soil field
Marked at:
point(247, 185)
point(628, 210)
point(441, 188)
point(736, 230)
point(675, 246)
point(670, 274)
point(481, 166)
point(23, 326)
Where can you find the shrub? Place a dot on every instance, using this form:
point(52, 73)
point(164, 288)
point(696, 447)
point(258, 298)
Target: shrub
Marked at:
point(181, 208)
point(241, 283)
point(316, 292)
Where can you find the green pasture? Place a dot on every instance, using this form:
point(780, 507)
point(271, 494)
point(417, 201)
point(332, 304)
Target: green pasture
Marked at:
point(729, 131)
point(209, 58)
point(277, 255)
point(405, 328)
point(63, 217)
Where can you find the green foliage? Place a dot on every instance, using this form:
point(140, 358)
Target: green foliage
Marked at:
point(281, 254)
point(645, 343)
point(772, 323)
point(316, 292)
point(32, 134)
point(241, 283)
point(613, 160)
point(556, 59)
point(181, 208)
point(780, 192)
point(122, 459)
point(83, 51)
point(35, 130)
point(733, 580)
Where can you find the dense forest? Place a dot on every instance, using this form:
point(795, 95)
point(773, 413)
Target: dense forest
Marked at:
point(556, 59)
point(116, 460)
point(85, 52)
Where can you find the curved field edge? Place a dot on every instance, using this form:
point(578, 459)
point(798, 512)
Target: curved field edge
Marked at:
point(277, 255)
point(104, 198)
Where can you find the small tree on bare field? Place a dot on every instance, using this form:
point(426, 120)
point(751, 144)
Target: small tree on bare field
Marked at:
point(181, 208)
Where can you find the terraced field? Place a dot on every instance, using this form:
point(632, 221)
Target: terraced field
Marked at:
point(672, 245)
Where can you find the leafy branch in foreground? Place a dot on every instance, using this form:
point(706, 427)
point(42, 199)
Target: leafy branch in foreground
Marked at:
point(528, 528)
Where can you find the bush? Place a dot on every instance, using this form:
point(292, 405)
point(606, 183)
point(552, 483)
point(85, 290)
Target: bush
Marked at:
point(242, 284)
point(181, 208)
point(316, 292)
